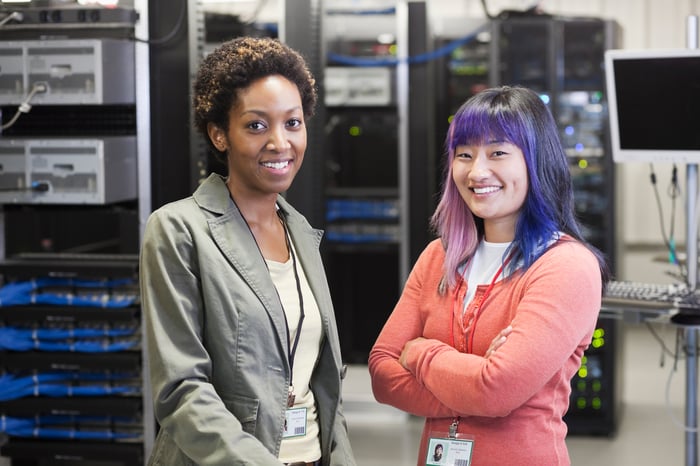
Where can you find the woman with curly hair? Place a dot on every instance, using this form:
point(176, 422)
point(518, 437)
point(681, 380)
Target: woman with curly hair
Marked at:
point(242, 341)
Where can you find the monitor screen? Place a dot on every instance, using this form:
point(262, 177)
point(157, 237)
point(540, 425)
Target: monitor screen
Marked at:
point(654, 105)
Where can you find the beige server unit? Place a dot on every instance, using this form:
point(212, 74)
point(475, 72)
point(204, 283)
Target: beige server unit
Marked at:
point(68, 171)
point(72, 71)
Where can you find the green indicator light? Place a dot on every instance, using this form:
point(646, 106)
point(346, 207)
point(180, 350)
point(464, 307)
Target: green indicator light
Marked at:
point(584, 360)
point(583, 163)
point(581, 385)
point(583, 372)
point(599, 333)
point(597, 343)
point(580, 403)
point(596, 403)
point(596, 385)
point(355, 131)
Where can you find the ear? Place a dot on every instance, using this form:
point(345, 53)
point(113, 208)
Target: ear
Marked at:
point(217, 137)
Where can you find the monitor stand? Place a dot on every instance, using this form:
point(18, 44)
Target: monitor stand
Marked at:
point(690, 322)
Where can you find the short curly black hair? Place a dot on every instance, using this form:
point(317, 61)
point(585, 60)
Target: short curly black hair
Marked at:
point(234, 66)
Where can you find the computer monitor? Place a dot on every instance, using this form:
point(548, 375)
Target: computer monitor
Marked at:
point(654, 105)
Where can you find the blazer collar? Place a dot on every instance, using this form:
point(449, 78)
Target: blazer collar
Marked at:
point(233, 237)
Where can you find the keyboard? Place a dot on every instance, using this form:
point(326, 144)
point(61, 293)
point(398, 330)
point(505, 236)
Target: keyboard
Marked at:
point(627, 294)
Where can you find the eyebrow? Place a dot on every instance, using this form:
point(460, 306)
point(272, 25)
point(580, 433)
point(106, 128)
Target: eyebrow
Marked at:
point(265, 113)
point(490, 142)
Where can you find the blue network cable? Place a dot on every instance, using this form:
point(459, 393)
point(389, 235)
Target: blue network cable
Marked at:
point(57, 384)
point(420, 58)
point(36, 428)
point(63, 390)
point(15, 339)
point(29, 292)
point(64, 333)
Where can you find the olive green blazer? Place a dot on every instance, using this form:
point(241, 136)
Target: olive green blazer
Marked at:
point(216, 336)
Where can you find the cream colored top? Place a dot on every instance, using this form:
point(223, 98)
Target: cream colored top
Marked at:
point(308, 447)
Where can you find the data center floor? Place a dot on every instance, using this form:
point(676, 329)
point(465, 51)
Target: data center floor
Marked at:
point(649, 431)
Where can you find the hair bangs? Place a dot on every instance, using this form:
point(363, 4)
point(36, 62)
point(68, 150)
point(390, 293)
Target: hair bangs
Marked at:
point(484, 123)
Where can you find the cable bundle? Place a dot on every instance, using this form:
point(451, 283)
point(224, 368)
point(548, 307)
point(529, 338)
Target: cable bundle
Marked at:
point(63, 427)
point(77, 292)
point(81, 340)
point(59, 384)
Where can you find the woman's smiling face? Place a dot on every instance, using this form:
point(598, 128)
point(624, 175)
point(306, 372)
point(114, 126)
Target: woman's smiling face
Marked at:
point(266, 136)
point(492, 179)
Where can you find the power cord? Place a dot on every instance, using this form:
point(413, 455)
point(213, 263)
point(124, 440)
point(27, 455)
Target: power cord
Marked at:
point(15, 15)
point(179, 22)
point(25, 107)
point(669, 241)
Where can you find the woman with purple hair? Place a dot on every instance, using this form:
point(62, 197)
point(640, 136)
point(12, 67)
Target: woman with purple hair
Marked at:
point(498, 311)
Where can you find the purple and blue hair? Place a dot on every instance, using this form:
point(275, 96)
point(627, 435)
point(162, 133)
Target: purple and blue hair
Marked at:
point(519, 116)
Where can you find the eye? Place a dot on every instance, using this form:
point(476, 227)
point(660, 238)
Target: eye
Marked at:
point(499, 153)
point(256, 125)
point(462, 152)
point(294, 123)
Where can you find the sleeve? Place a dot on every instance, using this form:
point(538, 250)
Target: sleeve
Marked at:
point(186, 404)
point(391, 382)
point(554, 320)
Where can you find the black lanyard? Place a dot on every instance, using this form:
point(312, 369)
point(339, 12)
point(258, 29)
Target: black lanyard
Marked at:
point(293, 347)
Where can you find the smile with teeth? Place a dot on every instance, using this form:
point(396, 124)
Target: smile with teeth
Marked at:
point(276, 165)
point(486, 190)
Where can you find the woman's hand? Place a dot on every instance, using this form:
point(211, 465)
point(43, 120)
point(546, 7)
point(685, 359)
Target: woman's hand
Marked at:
point(402, 358)
point(498, 341)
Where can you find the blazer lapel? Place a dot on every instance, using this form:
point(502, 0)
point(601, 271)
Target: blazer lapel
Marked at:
point(233, 237)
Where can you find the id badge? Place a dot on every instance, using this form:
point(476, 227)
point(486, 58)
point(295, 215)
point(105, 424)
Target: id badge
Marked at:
point(445, 450)
point(294, 423)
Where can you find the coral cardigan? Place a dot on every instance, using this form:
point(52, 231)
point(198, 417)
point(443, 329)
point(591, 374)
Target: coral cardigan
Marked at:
point(511, 404)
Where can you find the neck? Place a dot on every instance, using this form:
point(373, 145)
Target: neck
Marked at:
point(260, 213)
point(498, 235)
point(256, 209)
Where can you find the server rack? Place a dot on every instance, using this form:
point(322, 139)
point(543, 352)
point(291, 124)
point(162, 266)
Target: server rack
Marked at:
point(361, 189)
point(562, 58)
point(378, 149)
point(76, 387)
point(88, 126)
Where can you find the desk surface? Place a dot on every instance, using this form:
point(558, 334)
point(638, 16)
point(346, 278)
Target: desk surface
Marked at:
point(612, 309)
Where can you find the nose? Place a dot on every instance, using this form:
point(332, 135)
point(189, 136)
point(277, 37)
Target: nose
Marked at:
point(480, 167)
point(278, 140)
